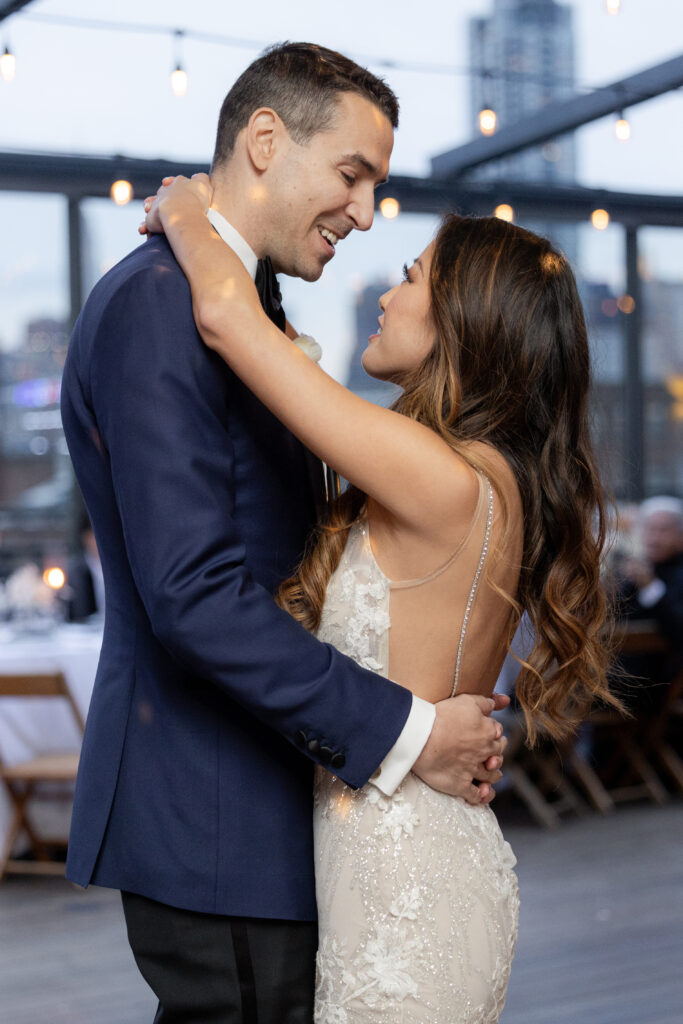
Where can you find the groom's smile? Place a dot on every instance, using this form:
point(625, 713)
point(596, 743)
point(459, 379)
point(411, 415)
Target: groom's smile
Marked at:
point(325, 188)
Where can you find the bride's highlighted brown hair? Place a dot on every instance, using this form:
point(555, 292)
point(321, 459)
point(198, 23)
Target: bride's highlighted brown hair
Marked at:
point(510, 368)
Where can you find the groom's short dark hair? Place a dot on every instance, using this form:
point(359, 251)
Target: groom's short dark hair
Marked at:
point(301, 83)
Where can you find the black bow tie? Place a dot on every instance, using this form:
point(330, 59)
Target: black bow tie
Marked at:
point(269, 292)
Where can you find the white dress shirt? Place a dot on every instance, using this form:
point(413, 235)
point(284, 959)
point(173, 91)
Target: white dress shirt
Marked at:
point(420, 721)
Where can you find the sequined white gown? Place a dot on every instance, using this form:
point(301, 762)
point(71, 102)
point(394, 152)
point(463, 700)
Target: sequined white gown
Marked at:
point(417, 897)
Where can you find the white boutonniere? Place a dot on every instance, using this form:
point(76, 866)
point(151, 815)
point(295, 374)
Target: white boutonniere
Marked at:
point(309, 346)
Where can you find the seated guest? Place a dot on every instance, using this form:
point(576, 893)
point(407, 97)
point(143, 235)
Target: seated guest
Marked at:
point(84, 580)
point(651, 586)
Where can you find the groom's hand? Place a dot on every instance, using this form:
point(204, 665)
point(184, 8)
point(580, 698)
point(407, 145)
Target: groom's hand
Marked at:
point(465, 746)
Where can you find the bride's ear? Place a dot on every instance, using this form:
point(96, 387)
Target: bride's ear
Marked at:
point(263, 136)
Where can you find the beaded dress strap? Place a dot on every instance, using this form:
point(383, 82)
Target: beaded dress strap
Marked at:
point(418, 582)
point(475, 584)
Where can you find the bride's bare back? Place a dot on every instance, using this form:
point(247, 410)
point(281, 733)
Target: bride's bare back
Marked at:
point(433, 583)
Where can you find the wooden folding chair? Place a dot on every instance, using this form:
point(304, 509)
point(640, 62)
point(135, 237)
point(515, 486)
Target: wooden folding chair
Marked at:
point(659, 746)
point(536, 777)
point(629, 773)
point(45, 776)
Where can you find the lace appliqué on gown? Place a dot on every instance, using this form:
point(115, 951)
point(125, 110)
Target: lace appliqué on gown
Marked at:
point(417, 897)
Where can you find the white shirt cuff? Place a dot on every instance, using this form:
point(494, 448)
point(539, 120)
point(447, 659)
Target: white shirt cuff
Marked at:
point(652, 593)
point(407, 747)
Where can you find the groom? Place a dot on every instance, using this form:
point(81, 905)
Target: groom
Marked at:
point(211, 705)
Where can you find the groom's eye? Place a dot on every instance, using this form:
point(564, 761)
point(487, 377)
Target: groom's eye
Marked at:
point(348, 178)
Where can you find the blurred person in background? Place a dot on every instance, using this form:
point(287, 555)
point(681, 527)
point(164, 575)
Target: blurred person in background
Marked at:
point(84, 590)
point(650, 588)
point(652, 585)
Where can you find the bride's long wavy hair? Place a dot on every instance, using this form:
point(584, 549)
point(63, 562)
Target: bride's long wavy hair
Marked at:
point(510, 368)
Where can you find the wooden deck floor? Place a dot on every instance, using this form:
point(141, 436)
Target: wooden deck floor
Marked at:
point(601, 933)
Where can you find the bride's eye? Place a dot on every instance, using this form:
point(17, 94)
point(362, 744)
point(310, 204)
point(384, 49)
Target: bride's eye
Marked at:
point(405, 273)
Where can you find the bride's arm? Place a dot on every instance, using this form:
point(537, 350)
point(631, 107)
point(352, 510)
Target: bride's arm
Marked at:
point(400, 463)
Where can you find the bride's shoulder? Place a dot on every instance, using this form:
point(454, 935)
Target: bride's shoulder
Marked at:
point(471, 467)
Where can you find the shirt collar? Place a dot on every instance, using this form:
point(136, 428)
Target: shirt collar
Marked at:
point(232, 237)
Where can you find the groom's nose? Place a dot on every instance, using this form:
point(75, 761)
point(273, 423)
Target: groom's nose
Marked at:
point(361, 209)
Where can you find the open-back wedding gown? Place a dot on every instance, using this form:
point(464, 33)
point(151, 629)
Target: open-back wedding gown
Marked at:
point(417, 896)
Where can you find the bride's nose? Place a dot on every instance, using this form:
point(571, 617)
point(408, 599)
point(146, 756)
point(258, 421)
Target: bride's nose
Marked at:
point(385, 299)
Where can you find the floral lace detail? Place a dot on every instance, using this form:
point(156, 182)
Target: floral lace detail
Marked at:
point(355, 615)
point(418, 907)
point(417, 896)
point(382, 975)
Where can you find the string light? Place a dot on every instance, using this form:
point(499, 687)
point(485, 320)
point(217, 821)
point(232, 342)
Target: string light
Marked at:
point(8, 65)
point(390, 208)
point(487, 121)
point(121, 192)
point(626, 304)
point(179, 81)
point(178, 75)
point(487, 117)
point(613, 6)
point(599, 219)
point(504, 212)
point(218, 39)
point(622, 128)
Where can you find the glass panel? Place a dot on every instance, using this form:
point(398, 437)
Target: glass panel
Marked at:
point(601, 276)
point(109, 233)
point(35, 474)
point(661, 272)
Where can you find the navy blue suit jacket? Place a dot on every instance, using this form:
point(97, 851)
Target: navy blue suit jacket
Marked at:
point(194, 787)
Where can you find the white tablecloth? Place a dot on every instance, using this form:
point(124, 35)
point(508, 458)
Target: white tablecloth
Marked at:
point(29, 727)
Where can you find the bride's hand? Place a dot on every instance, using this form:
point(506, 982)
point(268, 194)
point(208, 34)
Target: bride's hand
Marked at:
point(175, 191)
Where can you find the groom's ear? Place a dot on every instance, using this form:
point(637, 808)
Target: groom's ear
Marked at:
point(263, 136)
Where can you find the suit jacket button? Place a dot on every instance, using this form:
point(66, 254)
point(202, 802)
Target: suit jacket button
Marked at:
point(313, 746)
point(325, 754)
point(300, 738)
point(338, 761)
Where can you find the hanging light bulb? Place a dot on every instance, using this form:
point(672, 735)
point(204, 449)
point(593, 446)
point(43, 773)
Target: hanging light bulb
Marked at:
point(622, 128)
point(178, 75)
point(613, 6)
point(121, 192)
point(179, 81)
point(600, 219)
point(504, 212)
point(8, 65)
point(389, 208)
point(487, 117)
point(487, 121)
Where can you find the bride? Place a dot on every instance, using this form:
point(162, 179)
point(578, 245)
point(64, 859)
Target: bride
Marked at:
point(474, 499)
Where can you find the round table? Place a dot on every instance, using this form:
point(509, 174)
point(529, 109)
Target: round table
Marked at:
point(38, 726)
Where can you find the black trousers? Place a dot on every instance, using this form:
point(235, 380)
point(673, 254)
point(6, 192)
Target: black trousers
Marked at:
point(211, 969)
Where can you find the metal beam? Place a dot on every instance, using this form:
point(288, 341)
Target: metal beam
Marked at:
point(84, 176)
point(634, 397)
point(75, 259)
point(8, 7)
point(559, 118)
point(548, 202)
